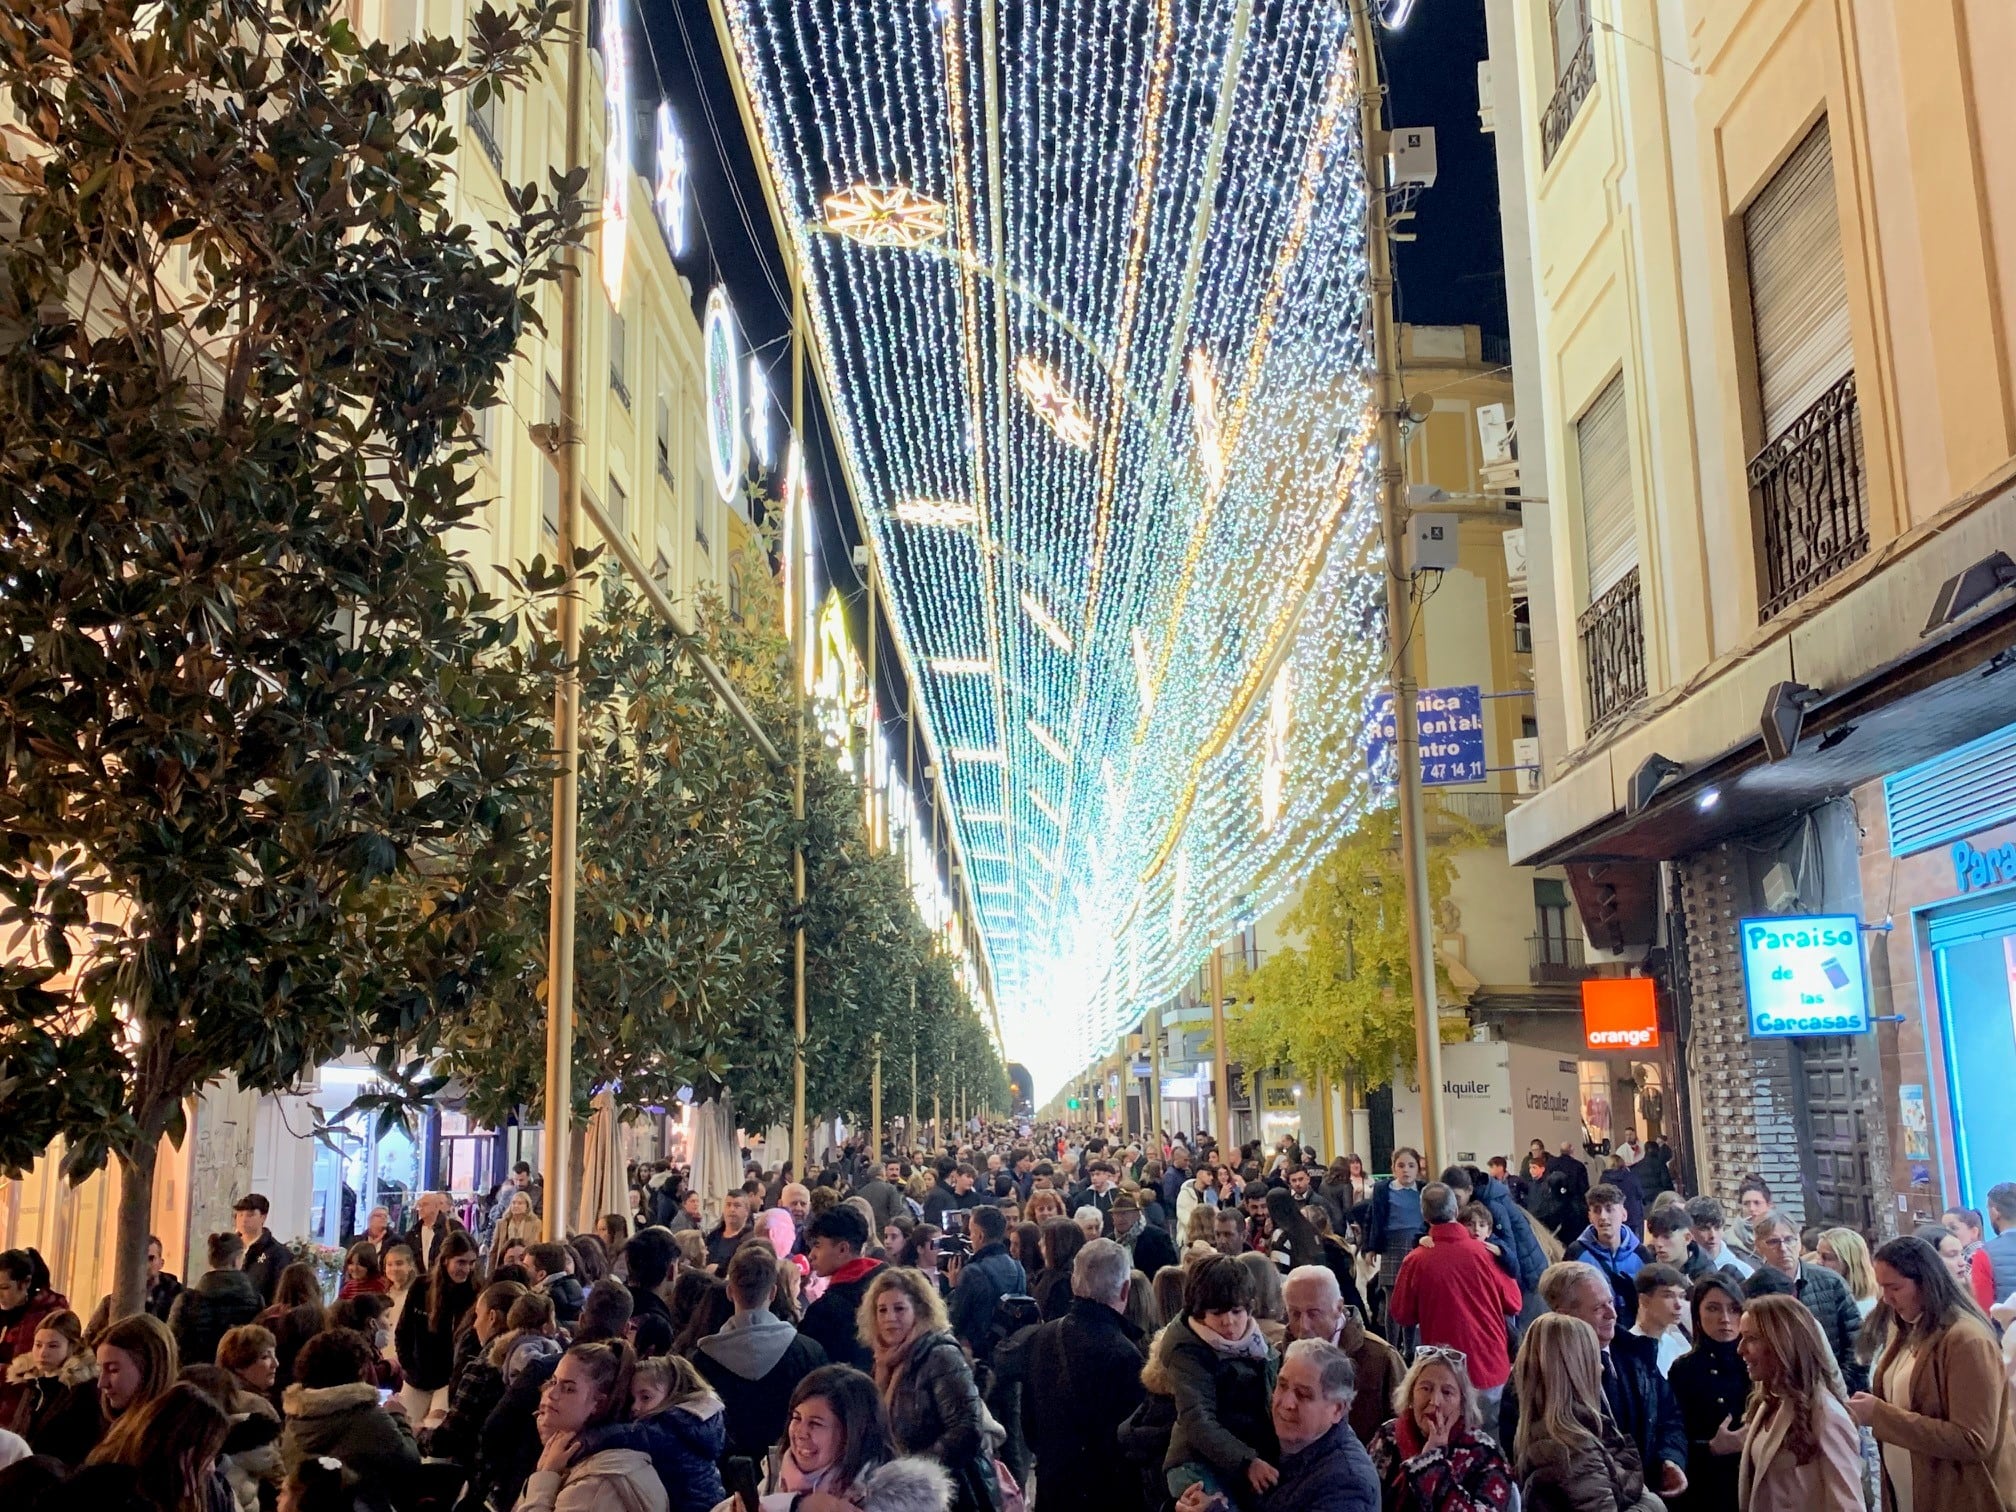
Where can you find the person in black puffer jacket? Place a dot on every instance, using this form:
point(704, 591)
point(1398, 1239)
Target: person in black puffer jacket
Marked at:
point(927, 1387)
point(221, 1298)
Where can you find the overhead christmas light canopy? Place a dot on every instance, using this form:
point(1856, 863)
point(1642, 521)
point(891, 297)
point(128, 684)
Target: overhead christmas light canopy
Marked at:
point(1088, 292)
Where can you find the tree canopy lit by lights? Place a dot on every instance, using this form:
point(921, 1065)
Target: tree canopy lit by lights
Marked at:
point(1088, 291)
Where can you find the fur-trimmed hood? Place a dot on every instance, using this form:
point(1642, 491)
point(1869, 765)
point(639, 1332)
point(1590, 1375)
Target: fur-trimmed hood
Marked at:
point(79, 1370)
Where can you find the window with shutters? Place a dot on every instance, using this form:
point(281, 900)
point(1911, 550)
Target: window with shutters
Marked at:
point(1555, 952)
point(619, 358)
point(619, 505)
point(549, 477)
point(1611, 628)
point(486, 122)
point(664, 437)
point(1809, 480)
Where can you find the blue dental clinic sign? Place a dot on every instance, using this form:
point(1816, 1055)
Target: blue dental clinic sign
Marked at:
point(1804, 975)
point(1452, 736)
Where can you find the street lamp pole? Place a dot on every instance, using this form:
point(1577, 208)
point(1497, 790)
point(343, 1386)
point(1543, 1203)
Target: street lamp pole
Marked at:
point(555, 1144)
point(1399, 608)
point(800, 1133)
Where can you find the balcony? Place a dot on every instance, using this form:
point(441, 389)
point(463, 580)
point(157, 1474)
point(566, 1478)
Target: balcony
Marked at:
point(1555, 960)
point(1613, 650)
point(1813, 497)
point(1577, 79)
point(619, 385)
point(1452, 813)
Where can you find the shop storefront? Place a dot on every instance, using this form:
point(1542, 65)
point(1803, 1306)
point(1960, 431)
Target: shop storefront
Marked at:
point(1945, 853)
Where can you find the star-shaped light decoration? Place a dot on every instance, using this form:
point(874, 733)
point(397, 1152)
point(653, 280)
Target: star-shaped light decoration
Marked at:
point(1054, 403)
point(1204, 420)
point(894, 217)
point(668, 191)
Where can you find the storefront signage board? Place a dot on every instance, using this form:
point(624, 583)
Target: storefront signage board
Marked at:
point(1804, 975)
point(1620, 1013)
point(1452, 736)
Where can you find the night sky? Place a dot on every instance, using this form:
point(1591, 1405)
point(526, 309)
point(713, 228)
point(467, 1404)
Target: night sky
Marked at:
point(1452, 275)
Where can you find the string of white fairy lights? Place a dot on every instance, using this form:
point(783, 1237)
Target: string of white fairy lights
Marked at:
point(1130, 537)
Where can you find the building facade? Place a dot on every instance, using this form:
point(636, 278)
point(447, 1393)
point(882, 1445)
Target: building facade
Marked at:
point(1762, 269)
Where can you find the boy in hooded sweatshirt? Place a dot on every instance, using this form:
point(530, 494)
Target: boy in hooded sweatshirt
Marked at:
point(756, 1361)
point(678, 1422)
point(1610, 1244)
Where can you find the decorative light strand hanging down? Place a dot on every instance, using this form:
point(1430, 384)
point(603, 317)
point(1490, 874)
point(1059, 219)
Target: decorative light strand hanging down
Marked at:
point(1088, 290)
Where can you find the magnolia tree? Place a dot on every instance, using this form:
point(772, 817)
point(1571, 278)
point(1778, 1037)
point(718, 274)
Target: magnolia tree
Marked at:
point(268, 747)
point(684, 913)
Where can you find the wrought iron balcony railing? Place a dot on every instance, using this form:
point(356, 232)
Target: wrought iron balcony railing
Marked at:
point(1813, 498)
point(1556, 958)
point(485, 132)
point(1613, 650)
point(1577, 79)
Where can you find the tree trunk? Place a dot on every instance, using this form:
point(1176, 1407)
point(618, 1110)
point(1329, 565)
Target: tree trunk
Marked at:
point(136, 1212)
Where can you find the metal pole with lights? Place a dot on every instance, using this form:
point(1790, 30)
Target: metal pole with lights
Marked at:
point(555, 1142)
point(800, 1133)
point(1399, 627)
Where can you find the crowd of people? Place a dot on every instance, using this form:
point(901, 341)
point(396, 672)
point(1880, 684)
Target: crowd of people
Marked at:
point(1053, 1321)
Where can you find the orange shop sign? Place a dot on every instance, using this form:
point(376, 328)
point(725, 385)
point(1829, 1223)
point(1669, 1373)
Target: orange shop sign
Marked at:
point(1620, 1013)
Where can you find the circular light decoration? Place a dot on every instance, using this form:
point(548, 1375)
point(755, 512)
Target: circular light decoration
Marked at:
point(724, 397)
point(1093, 320)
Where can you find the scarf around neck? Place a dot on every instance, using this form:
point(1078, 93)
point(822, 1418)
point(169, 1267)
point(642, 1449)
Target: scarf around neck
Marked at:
point(1252, 1345)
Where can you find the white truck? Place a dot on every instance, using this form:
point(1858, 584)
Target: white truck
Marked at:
point(1497, 1098)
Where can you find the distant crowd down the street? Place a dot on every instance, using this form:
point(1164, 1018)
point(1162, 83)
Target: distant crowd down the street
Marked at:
point(1024, 1316)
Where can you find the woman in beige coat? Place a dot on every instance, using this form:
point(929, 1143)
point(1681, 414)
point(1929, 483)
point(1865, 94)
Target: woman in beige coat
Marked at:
point(1940, 1405)
point(1801, 1450)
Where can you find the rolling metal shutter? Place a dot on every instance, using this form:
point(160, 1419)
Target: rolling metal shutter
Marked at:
point(1798, 285)
point(1603, 451)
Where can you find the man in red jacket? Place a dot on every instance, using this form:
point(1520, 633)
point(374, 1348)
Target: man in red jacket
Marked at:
point(1452, 1289)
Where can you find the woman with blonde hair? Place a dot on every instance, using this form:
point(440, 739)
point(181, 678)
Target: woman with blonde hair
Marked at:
point(519, 1225)
point(1846, 1253)
point(1203, 1228)
point(1270, 1308)
point(928, 1393)
point(1433, 1456)
point(1042, 1207)
point(1801, 1450)
point(1570, 1456)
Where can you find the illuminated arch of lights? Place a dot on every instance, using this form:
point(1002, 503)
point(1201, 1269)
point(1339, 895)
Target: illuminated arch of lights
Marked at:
point(1088, 290)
